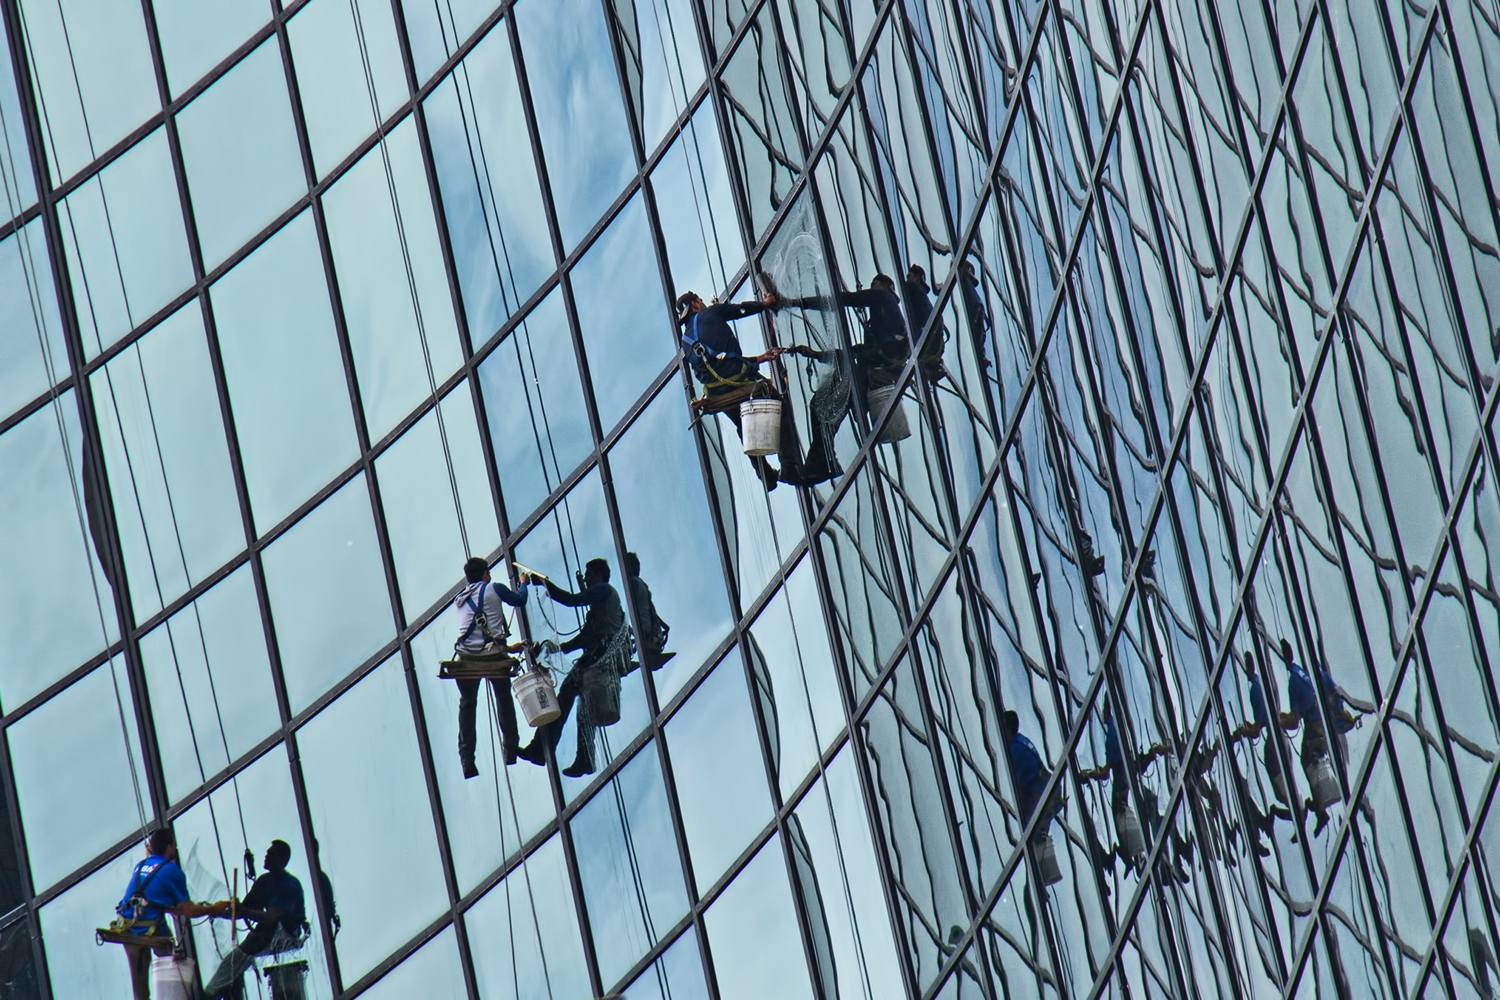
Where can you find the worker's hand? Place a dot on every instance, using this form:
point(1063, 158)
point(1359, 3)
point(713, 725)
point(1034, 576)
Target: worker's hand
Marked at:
point(770, 300)
point(515, 647)
point(536, 578)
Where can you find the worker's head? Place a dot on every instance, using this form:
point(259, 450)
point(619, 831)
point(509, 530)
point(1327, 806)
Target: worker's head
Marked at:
point(277, 856)
point(162, 842)
point(966, 268)
point(595, 571)
point(883, 281)
point(687, 304)
point(632, 564)
point(1010, 723)
point(476, 569)
point(917, 275)
point(1286, 652)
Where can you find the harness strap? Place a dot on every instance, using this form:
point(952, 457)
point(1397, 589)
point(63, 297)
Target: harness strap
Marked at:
point(476, 602)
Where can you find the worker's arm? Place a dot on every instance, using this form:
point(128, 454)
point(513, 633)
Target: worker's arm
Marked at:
point(188, 908)
point(509, 596)
point(583, 598)
point(1290, 721)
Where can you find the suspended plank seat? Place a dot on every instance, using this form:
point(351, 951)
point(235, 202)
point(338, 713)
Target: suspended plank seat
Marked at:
point(500, 668)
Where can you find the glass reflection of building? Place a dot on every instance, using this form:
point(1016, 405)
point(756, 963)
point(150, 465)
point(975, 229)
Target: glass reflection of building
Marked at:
point(303, 302)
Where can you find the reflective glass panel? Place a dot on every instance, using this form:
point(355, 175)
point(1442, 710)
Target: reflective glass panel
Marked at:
point(434, 971)
point(32, 353)
point(753, 935)
point(196, 34)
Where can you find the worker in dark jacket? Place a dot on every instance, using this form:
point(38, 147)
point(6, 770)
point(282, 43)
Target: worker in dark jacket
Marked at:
point(918, 296)
point(714, 353)
point(651, 644)
point(979, 316)
point(275, 905)
point(604, 643)
point(157, 887)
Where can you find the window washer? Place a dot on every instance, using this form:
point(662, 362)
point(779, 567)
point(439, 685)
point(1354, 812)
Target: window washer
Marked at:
point(275, 905)
point(157, 887)
point(919, 307)
point(605, 643)
point(1028, 772)
point(1304, 701)
point(482, 631)
point(651, 644)
point(1150, 818)
point(979, 316)
point(728, 377)
point(1261, 724)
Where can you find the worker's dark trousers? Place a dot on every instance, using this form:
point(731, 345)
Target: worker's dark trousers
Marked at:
point(568, 693)
point(468, 709)
point(228, 982)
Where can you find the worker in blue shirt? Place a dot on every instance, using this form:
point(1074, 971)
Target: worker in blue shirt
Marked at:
point(604, 642)
point(482, 631)
point(1027, 771)
point(1305, 698)
point(157, 887)
point(275, 905)
point(714, 353)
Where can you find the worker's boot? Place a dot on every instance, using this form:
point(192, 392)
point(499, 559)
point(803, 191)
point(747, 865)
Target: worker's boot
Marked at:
point(579, 768)
point(532, 752)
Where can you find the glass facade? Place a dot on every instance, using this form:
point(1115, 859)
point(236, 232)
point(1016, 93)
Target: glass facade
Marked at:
point(1140, 639)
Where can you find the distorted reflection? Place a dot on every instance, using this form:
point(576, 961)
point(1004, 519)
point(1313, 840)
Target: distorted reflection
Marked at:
point(651, 640)
point(594, 681)
point(276, 909)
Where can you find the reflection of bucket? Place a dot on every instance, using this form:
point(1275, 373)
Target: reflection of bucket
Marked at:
point(1325, 787)
point(533, 689)
point(288, 980)
point(1046, 860)
point(760, 426)
point(896, 429)
point(600, 687)
point(172, 978)
point(1128, 828)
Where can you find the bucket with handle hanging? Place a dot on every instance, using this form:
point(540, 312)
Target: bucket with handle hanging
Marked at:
point(896, 429)
point(1128, 829)
point(172, 978)
point(1046, 859)
point(533, 689)
point(760, 426)
point(1325, 787)
point(600, 688)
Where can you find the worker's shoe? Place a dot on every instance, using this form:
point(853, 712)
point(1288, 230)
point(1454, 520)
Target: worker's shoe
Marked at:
point(471, 770)
point(531, 752)
point(579, 768)
point(769, 475)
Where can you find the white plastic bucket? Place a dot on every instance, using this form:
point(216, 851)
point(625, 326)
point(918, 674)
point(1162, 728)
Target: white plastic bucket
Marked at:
point(760, 426)
point(1046, 860)
point(172, 978)
point(1325, 787)
point(533, 689)
point(896, 429)
point(1128, 828)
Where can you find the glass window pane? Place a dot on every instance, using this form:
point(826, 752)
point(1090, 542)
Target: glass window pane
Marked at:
point(285, 372)
point(77, 796)
point(417, 487)
point(165, 451)
point(628, 864)
point(628, 334)
point(76, 966)
point(434, 972)
point(716, 762)
point(538, 424)
point(327, 594)
point(239, 150)
point(492, 203)
point(701, 232)
point(196, 35)
point(127, 249)
point(340, 50)
point(371, 813)
point(92, 69)
point(47, 556)
point(32, 353)
point(579, 114)
point(210, 683)
point(666, 519)
point(436, 30)
point(677, 975)
point(663, 62)
point(397, 307)
point(753, 933)
point(535, 949)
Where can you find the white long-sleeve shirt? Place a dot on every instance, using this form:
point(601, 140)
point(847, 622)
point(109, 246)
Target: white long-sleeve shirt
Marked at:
point(488, 598)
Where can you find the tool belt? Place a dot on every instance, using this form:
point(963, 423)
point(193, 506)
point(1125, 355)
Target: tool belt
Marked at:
point(153, 934)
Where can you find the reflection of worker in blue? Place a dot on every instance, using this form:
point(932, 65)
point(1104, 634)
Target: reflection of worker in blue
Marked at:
point(482, 631)
point(1028, 773)
point(651, 644)
point(728, 376)
point(157, 887)
point(605, 644)
point(919, 307)
point(275, 905)
point(1304, 701)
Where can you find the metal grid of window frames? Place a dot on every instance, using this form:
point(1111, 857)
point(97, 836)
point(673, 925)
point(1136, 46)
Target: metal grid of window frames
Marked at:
point(365, 447)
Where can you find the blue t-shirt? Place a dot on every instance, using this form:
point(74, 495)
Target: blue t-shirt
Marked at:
point(1031, 776)
point(161, 883)
point(1300, 692)
point(1258, 702)
point(1112, 751)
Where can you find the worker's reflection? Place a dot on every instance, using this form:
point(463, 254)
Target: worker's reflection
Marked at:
point(275, 909)
point(651, 643)
point(971, 291)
